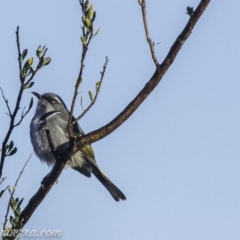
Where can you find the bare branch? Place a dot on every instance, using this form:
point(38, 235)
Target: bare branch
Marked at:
point(2, 180)
point(6, 101)
point(13, 191)
point(151, 44)
point(19, 55)
point(96, 95)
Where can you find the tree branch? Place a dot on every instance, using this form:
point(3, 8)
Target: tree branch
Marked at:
point(120, 119)
point(89, 34)
point(6, 101)
point(151, 44)
point(148, 88)
point(96, 95)
point(14, 114)
point(13, 191)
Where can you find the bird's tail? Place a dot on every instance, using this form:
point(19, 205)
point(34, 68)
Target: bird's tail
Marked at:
point(113, 190)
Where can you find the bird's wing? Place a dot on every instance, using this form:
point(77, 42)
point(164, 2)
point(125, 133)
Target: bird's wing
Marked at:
point(78, 132)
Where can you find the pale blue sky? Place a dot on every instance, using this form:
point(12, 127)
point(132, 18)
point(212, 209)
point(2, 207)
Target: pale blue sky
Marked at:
point(177, 159)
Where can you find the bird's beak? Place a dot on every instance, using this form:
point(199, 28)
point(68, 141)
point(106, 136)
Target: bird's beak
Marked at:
point(39, 96)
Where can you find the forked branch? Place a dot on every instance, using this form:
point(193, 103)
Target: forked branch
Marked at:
point(121, 118)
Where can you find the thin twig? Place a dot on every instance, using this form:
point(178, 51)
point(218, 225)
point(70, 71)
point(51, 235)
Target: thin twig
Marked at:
point(13, 191)
point(19, 55)
point(2, 180)
point(23, 115)
point(96, 95)
point(84, 52)
point(6, 101)
point(151, 44)
point(14, 114)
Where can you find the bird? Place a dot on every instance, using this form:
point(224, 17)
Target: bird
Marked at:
point(51, 112)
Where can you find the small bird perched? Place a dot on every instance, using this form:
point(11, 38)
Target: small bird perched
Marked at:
point(52, 112)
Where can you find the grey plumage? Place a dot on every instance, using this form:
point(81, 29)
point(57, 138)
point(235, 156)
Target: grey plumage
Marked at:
point(52, 112)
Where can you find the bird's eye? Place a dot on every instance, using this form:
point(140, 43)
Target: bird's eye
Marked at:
point(53, 101)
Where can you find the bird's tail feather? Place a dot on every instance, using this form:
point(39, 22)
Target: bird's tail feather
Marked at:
point(113, 190)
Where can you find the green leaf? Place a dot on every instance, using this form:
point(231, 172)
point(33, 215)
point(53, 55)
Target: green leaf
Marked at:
point(40, 51)
point(90, 12)
point(28, 85)
point(98, 84)
point(90, 95)
point(46, 61)
point(12, 203)
point(81, 101)
point(86, 4)
point(87, 23)
point(13, 151)
point(84, 40)
point(28, 63)
point(19, 204)
point(24, 54)
point(96, 32)
point(78, 82)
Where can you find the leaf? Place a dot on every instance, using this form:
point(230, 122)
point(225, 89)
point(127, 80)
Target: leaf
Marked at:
point(28, 63)
point(87, 23)
point(2, 192)
point(26, 71)
point(81, 101)
point(19, 204)
point(98, 84)
point(40, 51)
point(10, 146)
point(79, 81)
point(13, 151)
point(86, 4)
point(90, 12)
point(30, 104)
point(46, 61)
point(94, 16)
point(12, 203)
point(96, 32)
point(90, 95)
point(28, 85)
point(29, 71)
point(84, 40)
point(24, 54)
point(12, 220)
